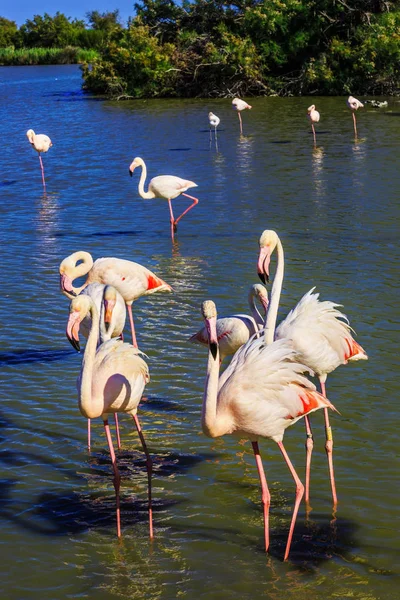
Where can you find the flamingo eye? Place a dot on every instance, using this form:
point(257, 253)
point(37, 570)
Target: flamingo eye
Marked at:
point(123, 279)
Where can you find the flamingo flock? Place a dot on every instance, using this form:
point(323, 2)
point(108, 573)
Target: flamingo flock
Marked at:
point(263, 390)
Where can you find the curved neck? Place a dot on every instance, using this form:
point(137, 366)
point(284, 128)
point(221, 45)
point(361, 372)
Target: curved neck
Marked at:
point(255, 313)
point(146, 195)
point(209, 410)
point(270, 321)
point(86, 401)
point(74, 271)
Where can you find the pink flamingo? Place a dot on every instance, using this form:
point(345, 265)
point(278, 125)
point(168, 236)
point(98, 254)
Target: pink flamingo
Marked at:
point(130, 279)
point(354, 105)
point(239, 105)
point(41, 143)
point(236, 330)
point(112, 379)
point(166, 187)
point(319, 332)
point(313, 116)
point(261, 393)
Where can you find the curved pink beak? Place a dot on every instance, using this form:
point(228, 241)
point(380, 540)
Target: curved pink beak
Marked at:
point(73, 329)
point(264, 258)
point(66, 284)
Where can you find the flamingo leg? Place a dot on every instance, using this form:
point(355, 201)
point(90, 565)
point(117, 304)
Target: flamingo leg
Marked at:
point(134, 342)
point(117, 431)
point(172, 220)
point(329, 448)
point(42, 169)
point(149, 466)
point(117, 477)
point(309, 449)
point(355, 124)
point(315, 137)
point(265, 495)
point(299, 495)
point(195, 201)
point(88, 435)
point(240, 121)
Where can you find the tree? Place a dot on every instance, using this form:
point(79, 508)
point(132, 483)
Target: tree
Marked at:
point(8, 30)
point(50, 32)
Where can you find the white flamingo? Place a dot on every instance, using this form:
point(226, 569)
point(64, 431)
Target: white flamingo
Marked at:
point(214, 121)
point(130, 279)
point(236, 330)
point(41, 143)
point(319, 332)
point(112, 379)
point(354, 105)
point(261, 393)
point(166, 187)
point(313, 116)
point(239, 105)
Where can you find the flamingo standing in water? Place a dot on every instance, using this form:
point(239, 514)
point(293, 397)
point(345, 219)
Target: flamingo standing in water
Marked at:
point(354, 105)
point(239, 105)
point(261, 393)
point(112, 379)
point(236, 330)
point(313, 116)
point(320, 334)
point(130, 279)
point(214, 121)
point(166, 187)
point(41, 143)
point(111, 311)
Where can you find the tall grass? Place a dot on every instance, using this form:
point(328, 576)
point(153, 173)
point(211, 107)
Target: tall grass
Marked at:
point(45, 56)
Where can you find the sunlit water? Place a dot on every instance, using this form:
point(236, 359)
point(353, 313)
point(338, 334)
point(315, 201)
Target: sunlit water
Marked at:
point(336, 210)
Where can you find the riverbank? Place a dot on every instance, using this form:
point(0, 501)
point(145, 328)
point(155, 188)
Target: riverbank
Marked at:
point(46, 56)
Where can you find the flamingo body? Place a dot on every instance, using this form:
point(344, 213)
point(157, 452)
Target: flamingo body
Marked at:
point(213, 119)
point(41, 143)
point(312, 114)
point(238, 104)
point(353, 103)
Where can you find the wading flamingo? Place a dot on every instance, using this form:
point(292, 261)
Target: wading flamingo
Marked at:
point(166, 187)
point(111, 310)
point(261, 393)
point(214, 121)
point(112, 379)
point(313, 116)
point(320, 334)
point(236, 330)
point(130, 279)
point(354, 105)
point(239, 105)
point(41, 143)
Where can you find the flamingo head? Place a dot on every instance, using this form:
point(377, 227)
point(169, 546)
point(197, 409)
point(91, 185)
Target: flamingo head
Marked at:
point(209, 312)
point(311, 108)
point(259, 291)
point(137, 162)
point(109, 300)
point(30, 134)
point(78, 309)
point(268, 241)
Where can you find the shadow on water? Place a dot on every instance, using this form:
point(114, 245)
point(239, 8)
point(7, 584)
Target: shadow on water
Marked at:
point(156, 403)
point(28, 355)
point(178, 149)
point(7, 182)
point(61, 234)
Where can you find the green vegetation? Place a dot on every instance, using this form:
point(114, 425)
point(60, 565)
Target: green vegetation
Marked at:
point(46, 56)
point(211, 48)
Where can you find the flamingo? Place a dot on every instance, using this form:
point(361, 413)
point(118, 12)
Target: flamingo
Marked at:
point(130, 279)
point(214, 122)
point(354, 105)
point(41, 143)
point(319, 332)
point(112, 379)
point(239, 105)
point(261, 393)
point(236, 330)
point(166, 187)
point(112, 315)
point(313, 116)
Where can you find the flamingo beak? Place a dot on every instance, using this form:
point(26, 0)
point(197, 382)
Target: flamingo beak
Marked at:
point(132, 167)
point(264, 258)
point(211, 326)
point(73, 330)
point(66, 284)
point(108, 310)
point(265, 302)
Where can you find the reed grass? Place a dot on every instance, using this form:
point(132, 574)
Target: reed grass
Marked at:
point(46, 56)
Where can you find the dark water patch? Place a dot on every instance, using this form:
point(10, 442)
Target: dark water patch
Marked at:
point(31, 355)
point(179, 149)
point(6, 182)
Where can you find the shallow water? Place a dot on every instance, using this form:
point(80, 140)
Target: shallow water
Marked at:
point(336, 210)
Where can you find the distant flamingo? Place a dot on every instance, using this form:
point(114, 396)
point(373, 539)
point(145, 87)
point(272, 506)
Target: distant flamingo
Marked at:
point(313, 117)
point(214, 122)
point(41, 143)
point(111, 310)
point(112, 379)
point(166, 187)
point(320, 334)
point(130, 279)
point(261, 393)
point(236, 330)
point(239, 105)
point(354, 105)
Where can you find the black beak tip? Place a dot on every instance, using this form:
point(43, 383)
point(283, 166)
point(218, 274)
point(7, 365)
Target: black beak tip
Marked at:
point(130, 173)
point(264, 278)
point(214, 349)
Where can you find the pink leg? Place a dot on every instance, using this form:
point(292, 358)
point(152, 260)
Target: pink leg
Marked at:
point(299, 495)
point(117, 477)
point(149, 466)
point(265, 495)
point(313, 130)
point(117, 431)
point(355, 124)
point(88, 434)
point(195, 201)
point(42, 168)
point(329, 448)
point(134, 342)
point(172, 220)
point(309, 449)
point(240, 121)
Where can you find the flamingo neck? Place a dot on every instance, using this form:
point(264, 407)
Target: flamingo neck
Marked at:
point(76, 271)
point(146, 195)
point(87, 404)
point(209, 411)
point(255, 313)
point(270, 322)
